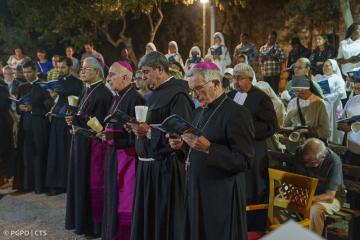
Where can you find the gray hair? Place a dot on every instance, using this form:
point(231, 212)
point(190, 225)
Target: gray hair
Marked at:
point(322, 147)
point(95, 64)
point(154, 60)
point(304, 60)
point(207, 74)
point(245, 68)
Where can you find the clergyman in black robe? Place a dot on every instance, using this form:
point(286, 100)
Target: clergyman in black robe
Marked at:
point(94, 102)
point(120, 160)
point(265, 122)
point(216, 161)
point(34, 127)
point(160, 178)
point(59, 137)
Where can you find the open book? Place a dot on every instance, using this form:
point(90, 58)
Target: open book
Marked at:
point(54, 85)
point(25, 100)
point(64, 112)
point(175, 124)
point(85, 132)
point(324, 85)
point(119, 117)
point(352, 119)
point(354, 75)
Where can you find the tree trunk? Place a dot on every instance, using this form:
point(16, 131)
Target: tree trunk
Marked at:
point(130, 48)
point(346, 12)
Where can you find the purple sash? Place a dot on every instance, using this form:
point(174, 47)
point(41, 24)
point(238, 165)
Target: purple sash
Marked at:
point(126, 185)
point(98, 150)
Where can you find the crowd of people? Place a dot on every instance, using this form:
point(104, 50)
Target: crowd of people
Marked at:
point(81, 127)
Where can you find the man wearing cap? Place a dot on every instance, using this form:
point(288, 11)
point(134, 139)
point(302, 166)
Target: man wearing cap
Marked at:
point(307, 109)
point(158, 211)
point(216, 161)
point(59, 139)
point(120, 159)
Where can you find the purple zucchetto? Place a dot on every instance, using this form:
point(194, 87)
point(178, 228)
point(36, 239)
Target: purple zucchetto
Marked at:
point(126, 65)
point(206, 65)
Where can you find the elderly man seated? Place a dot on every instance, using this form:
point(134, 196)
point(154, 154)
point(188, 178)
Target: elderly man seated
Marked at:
point(307, 109)
point(314, 159)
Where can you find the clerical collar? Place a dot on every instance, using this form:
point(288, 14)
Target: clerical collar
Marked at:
point(217, 101)
point(124, 90)
point(92, 84)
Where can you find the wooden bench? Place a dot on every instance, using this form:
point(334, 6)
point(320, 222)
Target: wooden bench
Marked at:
point(349, 213)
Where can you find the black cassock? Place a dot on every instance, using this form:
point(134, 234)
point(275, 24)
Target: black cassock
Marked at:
point(215, 190)
point(257, 184)
point(59, 137)
point(33, 139)
point(6, 137)
point(126, 101)
point(94, 102)
point(158, 212)
point(18, 183)
point(265, 123)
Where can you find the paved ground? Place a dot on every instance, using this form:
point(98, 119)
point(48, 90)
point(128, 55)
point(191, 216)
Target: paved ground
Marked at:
point(39, 215)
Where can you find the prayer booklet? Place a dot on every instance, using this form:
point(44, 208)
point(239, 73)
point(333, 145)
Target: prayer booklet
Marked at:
point(324, 85)
point(354, 75)
point(175, 124)
point(25, 100)
point(216, 51)
point(352, 119)
point(54, 85)
point(65, 111)
point(85, 132)
point(119, 117)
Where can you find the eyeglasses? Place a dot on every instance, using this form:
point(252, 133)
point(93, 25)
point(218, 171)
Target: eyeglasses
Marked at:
point(86, 69)
point(240, 78)
point(197, 89)
point(299, 67)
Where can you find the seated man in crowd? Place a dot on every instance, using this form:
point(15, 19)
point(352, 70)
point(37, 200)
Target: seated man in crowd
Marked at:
point(314, 159)
point(307, 109)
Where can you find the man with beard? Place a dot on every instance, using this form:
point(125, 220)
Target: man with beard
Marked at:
point(59, 141)
point(159, 196)
point(120, 160)
point(34, 127)
point(94, 102)
point(216, 161)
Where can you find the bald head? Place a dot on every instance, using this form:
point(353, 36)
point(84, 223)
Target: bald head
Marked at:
point(314, 152)
point(119, 77)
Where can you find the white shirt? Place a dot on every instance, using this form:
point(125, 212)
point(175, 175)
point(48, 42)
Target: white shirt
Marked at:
point(336, 84)
point(349, 48)
point(352, 108)
point(240, 98)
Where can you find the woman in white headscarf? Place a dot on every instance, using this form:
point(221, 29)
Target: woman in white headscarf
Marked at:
point(243, 58)
point(218, 52)
point(334, 91)
point(194, 58)
point(278, 104)
point(150, 47)
point(273, 142)
point(173, 54)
